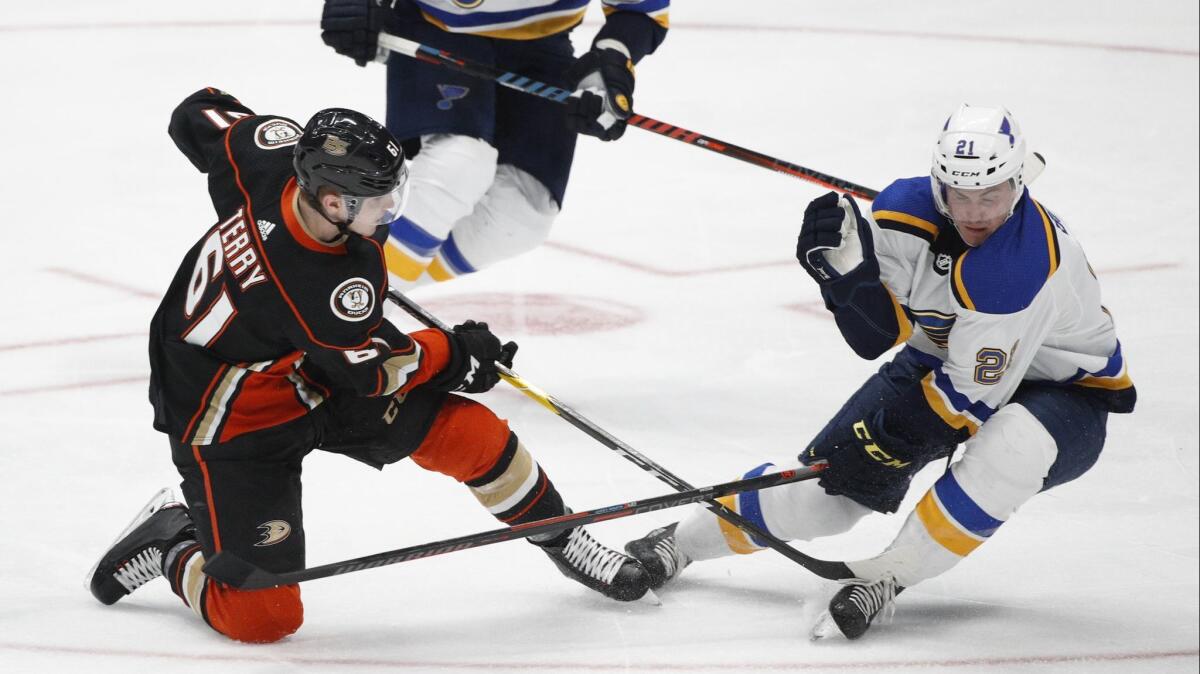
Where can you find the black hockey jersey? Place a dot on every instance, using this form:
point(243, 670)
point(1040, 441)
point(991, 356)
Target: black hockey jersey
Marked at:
point(257, 296)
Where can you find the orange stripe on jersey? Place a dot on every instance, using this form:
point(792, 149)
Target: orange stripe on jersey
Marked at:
point(301, 235)
point(208, 498)
point(237, 177)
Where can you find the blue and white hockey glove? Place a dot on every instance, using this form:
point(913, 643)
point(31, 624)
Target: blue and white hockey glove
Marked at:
point(603, 97)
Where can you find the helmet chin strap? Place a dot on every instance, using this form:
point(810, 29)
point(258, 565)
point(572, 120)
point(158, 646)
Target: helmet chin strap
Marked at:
point(343, 227)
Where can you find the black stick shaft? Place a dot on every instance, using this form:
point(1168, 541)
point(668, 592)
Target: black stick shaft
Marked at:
point(232, 570)
point(822, 568)
point(542, 90)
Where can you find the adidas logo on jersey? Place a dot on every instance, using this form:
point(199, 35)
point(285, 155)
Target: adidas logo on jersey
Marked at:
point(265, 228)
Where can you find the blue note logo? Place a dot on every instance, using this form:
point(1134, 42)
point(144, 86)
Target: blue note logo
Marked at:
point(451, 93)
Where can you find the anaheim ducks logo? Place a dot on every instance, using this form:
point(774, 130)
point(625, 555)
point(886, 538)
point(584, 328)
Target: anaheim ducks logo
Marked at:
point(353, 299)
point(273, 532)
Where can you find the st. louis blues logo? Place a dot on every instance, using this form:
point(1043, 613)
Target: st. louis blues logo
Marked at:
point(450, 93)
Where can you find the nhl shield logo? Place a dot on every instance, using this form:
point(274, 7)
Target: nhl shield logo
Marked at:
point(335, 146)
point(942, 263)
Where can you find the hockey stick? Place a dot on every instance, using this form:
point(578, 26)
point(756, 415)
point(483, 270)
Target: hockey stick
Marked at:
point(227, 568)
point(558, 95)
point(825, 569)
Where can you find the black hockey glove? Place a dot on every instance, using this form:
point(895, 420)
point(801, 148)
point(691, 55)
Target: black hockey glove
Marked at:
point(603, 96)
point(474, 354)
point(867, 464)
point(351, 27)
point(835, 245)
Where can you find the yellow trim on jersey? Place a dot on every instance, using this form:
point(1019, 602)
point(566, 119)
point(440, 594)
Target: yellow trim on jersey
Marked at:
point(661, 17)
point(530, 31)
point(952, 418)
point(735, 538)
point(919, 223)
point(942, 529)
point(438, 271)
point(400, 264)
point(1049, 227)
point(960, 286)
point(906, 327)
point(1111, 383)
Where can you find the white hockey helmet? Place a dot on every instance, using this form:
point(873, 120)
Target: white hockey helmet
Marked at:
point(980, 146)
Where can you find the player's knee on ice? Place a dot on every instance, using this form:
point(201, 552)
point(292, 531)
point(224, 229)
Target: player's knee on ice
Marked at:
point(254, 616)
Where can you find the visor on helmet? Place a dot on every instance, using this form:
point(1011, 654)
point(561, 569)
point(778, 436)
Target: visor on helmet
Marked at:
point(379, 210)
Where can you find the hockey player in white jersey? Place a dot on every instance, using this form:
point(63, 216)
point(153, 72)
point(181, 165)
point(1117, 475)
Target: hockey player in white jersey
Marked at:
point(1006, 348)
point(491, 165)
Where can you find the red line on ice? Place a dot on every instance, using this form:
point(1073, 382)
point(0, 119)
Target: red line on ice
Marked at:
point(76, 385)
point(107, 283)
point(65, 341)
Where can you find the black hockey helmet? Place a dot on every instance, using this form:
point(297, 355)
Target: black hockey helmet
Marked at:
point(348, 152)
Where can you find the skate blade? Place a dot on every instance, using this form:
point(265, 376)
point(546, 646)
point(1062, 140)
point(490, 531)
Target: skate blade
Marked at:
point(651, 598)
point(824, 628)
point(161, 497)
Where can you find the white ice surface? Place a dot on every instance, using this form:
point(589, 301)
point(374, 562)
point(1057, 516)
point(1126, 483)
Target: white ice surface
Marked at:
point(731, 360)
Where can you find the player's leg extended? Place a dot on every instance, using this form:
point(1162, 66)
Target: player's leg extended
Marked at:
point(469, 443)
point(1046, 436)
point(242, 496)
point(452, 115)
point(799, 511)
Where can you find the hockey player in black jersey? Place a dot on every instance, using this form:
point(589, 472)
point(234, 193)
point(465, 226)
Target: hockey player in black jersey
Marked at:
point(271, 342)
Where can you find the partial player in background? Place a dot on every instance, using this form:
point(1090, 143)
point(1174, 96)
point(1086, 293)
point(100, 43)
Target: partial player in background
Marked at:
point(271, 342)
point(1013, 355)
point(491, 164)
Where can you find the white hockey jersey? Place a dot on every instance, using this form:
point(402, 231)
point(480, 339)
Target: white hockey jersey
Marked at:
point(1024, 305)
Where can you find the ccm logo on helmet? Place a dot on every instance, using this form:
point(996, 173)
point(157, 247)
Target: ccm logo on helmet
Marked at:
point(965, 174)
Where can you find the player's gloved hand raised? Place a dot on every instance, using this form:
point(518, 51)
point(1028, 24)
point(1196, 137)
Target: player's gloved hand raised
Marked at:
point(472, 367)
point(351, 27)
point(603, 95)
point(834, 238)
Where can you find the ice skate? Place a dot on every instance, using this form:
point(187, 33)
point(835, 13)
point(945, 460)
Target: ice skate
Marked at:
point(658, 553)
point(582, 558)
point(855, 606)
point(136, 556)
